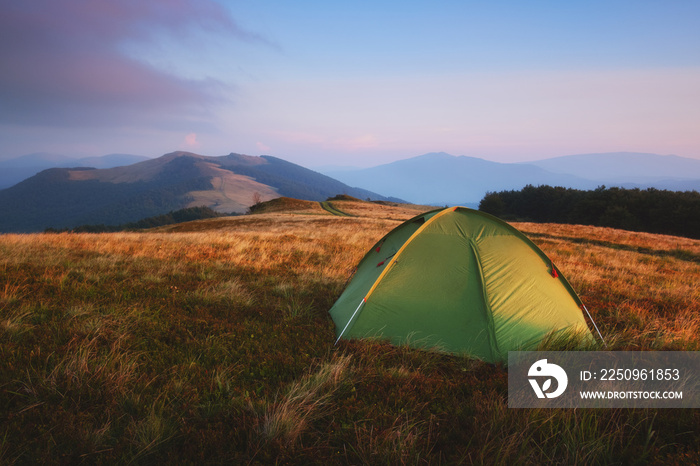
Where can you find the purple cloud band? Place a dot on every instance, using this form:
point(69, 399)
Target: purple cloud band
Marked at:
point(62, 63)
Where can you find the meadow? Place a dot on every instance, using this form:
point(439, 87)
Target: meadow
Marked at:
point(210, 343)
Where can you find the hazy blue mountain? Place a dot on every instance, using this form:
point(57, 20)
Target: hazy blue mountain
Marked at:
point(68, 197)
point(440, 178)
point(627, 169)
point(37, 159)
point(13, 171)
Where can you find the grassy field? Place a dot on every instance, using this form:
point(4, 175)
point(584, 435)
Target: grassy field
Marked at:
point(210, 342)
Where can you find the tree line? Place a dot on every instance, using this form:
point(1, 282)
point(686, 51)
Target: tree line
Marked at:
point(650, 210)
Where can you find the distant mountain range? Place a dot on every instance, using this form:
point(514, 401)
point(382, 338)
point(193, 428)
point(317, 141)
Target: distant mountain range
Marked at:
point(440, 178)
point(15, 170)
point(123, 191)
point(630, 169)
point(68, 197)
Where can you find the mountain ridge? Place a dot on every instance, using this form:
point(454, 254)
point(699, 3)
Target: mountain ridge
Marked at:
point(67, 197)
point(625, 167)
point(439, 178)
point(15, 170)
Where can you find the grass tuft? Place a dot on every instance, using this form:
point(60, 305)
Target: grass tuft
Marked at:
point(289, 416)
point(405, 442)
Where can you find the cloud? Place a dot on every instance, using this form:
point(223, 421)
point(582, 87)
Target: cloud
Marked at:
point(63, 62)
point(262, 147)
point(191, 140)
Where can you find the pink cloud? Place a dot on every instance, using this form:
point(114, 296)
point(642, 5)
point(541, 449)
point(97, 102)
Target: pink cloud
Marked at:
point(62, 63)
point(191, 140)
point(262, 147)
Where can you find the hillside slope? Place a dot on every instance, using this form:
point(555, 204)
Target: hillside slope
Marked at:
point(64, 198)
point(284, 212)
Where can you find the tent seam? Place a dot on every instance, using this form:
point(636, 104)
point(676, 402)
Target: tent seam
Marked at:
point(393, 230)
point(489, 312)
point(536, 249)
point(394, 259)
point(390, 264)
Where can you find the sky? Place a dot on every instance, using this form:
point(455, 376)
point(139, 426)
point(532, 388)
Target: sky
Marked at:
point(350, 83)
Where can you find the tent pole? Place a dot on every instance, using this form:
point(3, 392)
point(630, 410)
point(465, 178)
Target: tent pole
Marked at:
point(352, 317)
point(594, 325)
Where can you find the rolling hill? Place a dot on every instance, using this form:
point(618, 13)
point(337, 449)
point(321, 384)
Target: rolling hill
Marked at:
point(67, 197)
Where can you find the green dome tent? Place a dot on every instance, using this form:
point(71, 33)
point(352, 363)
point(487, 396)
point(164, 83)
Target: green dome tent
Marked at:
point(461, 281)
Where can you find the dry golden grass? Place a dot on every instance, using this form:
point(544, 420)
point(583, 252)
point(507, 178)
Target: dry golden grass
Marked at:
point(624, 276)
point(380, 210)
point(639, 283)
point(350, 206)
point(636, 240)
point(211, 342)
point(289, 205)
point(289, 416)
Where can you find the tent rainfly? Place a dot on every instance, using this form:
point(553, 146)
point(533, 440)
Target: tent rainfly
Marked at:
point(460, 281)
